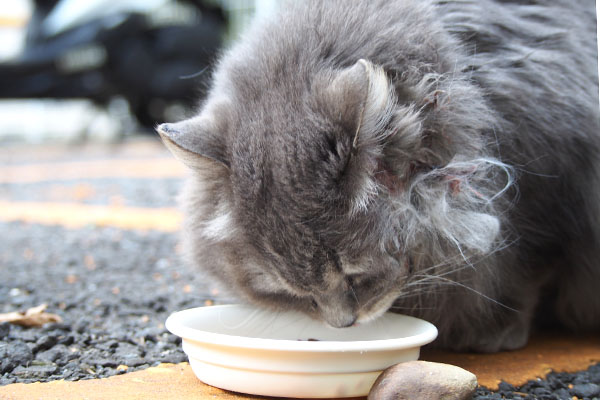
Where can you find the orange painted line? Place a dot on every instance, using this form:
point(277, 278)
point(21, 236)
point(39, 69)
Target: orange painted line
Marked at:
point(164, 382)
point(75, 215)
point(543, 354)
point(7, 21)
point(154, 168)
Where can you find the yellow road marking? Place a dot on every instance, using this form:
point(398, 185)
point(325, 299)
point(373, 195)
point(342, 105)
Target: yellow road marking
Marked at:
point(155, 168)
point(544, 352)
point(75, 215)
point(9, 21)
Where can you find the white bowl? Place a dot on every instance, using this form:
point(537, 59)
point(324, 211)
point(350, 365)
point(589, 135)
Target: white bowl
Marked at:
point(249, 350)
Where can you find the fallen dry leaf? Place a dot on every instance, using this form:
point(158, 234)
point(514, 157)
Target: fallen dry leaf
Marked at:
point(33, 317)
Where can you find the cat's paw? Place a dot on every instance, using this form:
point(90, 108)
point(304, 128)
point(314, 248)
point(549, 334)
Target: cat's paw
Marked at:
point(487, 339)
point(495, 344)
point(512, 337)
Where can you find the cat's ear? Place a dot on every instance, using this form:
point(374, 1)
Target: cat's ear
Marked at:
point(192, 142)
point(361, 98)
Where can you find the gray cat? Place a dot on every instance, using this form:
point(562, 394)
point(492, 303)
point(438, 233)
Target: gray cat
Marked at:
point(434, 158)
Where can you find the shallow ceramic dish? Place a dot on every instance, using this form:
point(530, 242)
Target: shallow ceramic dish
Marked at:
point(249, 350)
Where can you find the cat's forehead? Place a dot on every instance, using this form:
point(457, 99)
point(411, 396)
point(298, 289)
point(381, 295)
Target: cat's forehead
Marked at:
point(279, 133)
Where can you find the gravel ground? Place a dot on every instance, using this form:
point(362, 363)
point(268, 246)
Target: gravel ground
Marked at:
point(556, 386)
point(114, 290)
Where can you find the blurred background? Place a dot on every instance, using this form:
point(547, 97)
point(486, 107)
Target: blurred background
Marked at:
point(88, 214)
point(73, 70)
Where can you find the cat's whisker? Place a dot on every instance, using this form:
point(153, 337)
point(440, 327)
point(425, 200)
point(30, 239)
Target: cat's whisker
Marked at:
point(450, 264)
point(400, 308)
point(462, 285)
point(451, 268)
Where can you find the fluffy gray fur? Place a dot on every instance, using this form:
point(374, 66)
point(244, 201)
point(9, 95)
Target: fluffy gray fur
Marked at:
point(436, 158)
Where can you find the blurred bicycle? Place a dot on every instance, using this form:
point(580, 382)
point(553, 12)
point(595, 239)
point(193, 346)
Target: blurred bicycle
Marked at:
point(153, 53)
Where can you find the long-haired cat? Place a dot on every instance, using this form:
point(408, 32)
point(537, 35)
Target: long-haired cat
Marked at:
point(439, 158)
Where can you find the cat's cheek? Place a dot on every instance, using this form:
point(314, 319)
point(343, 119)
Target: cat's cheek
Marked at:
point(269, 289)
point(378, 308)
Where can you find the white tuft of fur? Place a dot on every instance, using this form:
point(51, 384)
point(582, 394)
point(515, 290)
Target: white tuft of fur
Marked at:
point(456, 205)
point(371, 131)
point(218, 228)
point(379, 104)
point(364, 194)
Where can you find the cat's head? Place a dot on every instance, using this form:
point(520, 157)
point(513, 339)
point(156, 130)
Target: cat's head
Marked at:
point(319, 193)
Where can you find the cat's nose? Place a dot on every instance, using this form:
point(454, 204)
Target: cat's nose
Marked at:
point(342, 321)
point(349, 322)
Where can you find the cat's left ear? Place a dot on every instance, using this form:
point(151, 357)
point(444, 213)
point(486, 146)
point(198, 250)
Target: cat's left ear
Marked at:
point(192, 142)
point(362, 98)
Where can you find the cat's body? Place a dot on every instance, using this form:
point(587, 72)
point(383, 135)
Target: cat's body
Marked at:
point(441, 158)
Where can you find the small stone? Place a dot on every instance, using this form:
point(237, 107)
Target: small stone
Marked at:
point(108, 345)
point(125, 351)
point(588, 390)
point(135, 362)
point(4, 330)
point(36, 372)
point(7, 381)
point(150, 334)
point(56, 327)
point(45, 342)
point(562, 393)
point(71, 368)
point(595, 373)
point(536, 383)
point(491, 396)
point(505, 387)
point(14, 354)
point(24, 334)
point(174, 339)
point(423, 380)
point(58, 354)
point(175, 358)
point(541, 392)
point(67, 340)
point(104, 362)
point(581, 378)
point(81, 325)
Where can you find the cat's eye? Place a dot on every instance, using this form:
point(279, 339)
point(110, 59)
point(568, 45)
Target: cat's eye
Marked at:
point(351, 280)
point(314, 304)
point(409, 265)
point(332, 144)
